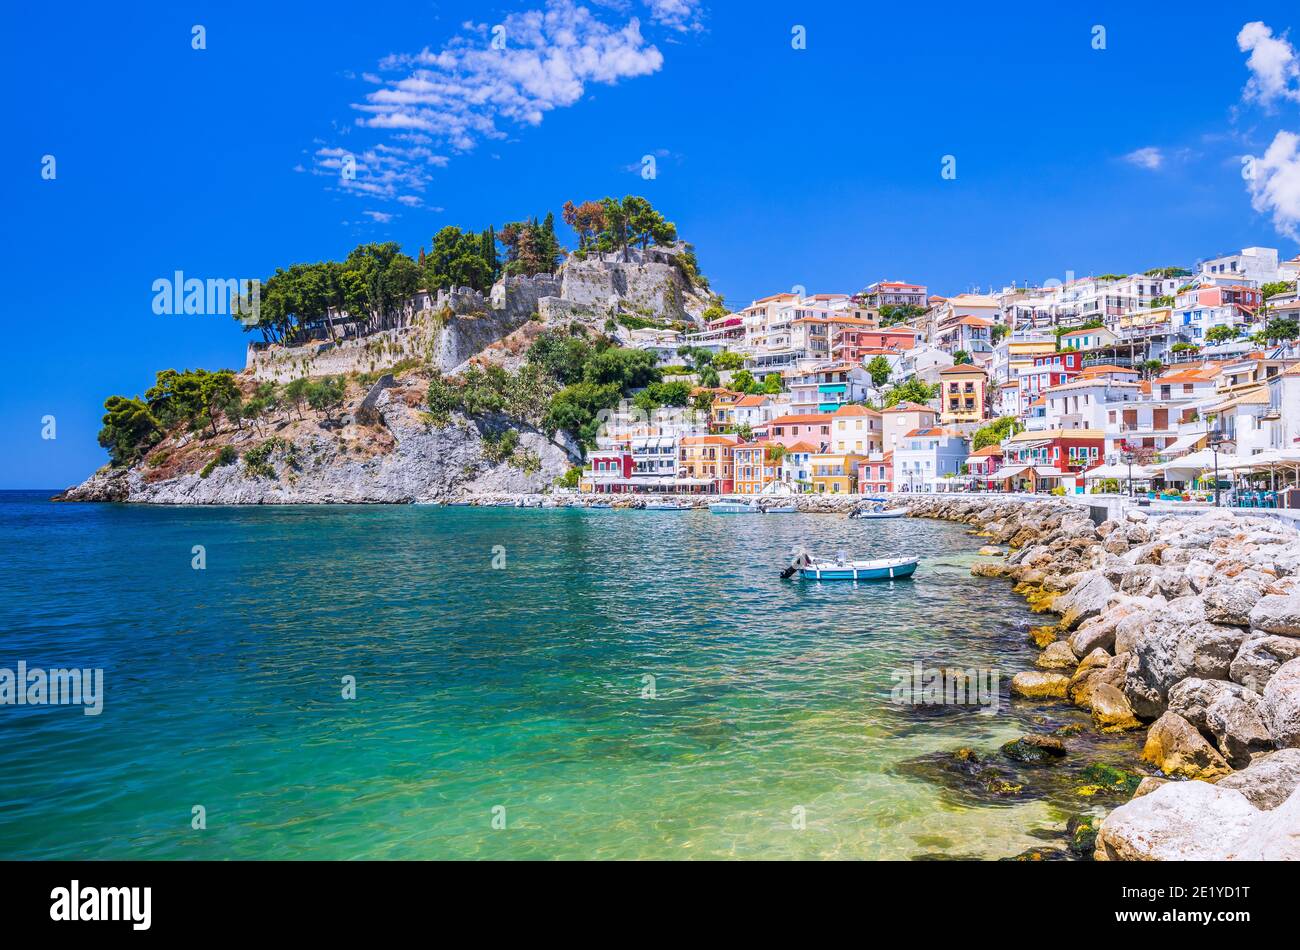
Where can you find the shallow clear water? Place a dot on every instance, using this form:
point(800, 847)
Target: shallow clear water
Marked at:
point(521, 687)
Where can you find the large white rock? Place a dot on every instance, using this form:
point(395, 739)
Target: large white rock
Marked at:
point(1277, 613)
point(1269, 780)
point(1280, 709)
point(1260, 657)
point(1179, 821)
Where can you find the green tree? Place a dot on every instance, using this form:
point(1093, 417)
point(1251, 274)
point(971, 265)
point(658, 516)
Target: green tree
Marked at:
point(708, 377)
point(743, 381)
point(961, 357)
point(1275, 287)
point(1281, 328)
point(1220, 334)
point(880, 370)
point(575, 409)
point(912, 390)
point(727, 360)
point(129, 430)
point(326, 395)
point(772, 384)
point(995, 433)
point(295, 393)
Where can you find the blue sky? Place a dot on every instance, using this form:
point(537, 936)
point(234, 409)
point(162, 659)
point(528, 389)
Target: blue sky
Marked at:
point(817, 167)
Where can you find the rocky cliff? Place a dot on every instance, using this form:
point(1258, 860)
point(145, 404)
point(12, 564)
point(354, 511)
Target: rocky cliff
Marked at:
point(399, 456)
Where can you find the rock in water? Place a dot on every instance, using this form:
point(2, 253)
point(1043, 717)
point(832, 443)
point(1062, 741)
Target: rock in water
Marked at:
point(1057, 656)
point(1179, 821)
point(1032, 685)
point(1111, 710)
point(1177, 749)
point(1034, 750)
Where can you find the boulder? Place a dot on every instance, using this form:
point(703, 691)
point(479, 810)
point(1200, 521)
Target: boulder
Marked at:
point(1096, 668)
point(1198, 574)
point(1034, 749)
point(1238, 731)
point(1167, 652)
point(1179, 821)
point(1269, 780)
point(1148, 785)
point(1177, 749)
point(1260, 657)
point(1057, 656)
point(1277, 613)
point(1031, 685)
point(1096, 633)
point(1280, 709)
point(1190, 698)
point(1111, 710)
point(1088, 599)
point(1231, 603)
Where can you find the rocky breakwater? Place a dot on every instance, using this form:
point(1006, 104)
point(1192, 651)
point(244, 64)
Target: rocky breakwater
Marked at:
point(1185, 626)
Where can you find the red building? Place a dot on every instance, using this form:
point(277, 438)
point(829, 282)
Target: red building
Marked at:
point(1049, 369)
point(876, 474)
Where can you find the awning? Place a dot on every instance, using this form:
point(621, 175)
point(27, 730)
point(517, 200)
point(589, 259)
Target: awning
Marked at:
point(1116, 471)
point(1184, 443)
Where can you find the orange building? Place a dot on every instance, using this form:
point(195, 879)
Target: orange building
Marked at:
point(707, 462)
point(754, 467)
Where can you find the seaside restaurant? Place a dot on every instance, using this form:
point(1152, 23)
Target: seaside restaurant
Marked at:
point(1027, 478)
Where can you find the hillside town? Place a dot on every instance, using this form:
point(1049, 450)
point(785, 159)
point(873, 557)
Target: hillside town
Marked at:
point(1173, 381)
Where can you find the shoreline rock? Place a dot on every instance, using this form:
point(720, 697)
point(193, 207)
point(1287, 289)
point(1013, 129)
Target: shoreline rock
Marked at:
point(1185, 625)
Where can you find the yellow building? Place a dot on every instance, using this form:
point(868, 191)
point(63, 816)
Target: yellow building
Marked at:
point(963, 394)
point(835, 473)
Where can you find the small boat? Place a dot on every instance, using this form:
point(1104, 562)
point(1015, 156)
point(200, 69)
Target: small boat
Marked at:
point(666, 506)
point(878, 510)
point(602, 505)
point(881, 569)
point(732, 508)
point(780, 510)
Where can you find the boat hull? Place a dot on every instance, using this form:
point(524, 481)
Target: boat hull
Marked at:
point(731, 509)
point(881, 514)
point(859, 571)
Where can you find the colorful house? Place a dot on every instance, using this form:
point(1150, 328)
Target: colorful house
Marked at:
point(876, 474)
point(926, 455)
point(706, 462)
point(983, 464)
point(607, 471)
point(1063, 450)
point(796, 465)
point(898, 420)
point(813, 427)
point(856, 430)
point(963, 394)
point(754, 467)
point(835, 473)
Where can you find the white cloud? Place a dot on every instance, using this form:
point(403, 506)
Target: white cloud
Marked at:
point(683, 15)
point(467, 91)
point(1275, 186)
point(382, 217)
point(1150, 158)
point(1274, 67)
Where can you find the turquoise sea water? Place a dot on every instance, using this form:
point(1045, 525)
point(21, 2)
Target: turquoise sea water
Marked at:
point(482, 689)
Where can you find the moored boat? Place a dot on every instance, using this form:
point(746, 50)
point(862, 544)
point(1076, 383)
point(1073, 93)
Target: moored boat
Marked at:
point(877, 510)
point(666, 506)
point(840, 569)
point(732, 508)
